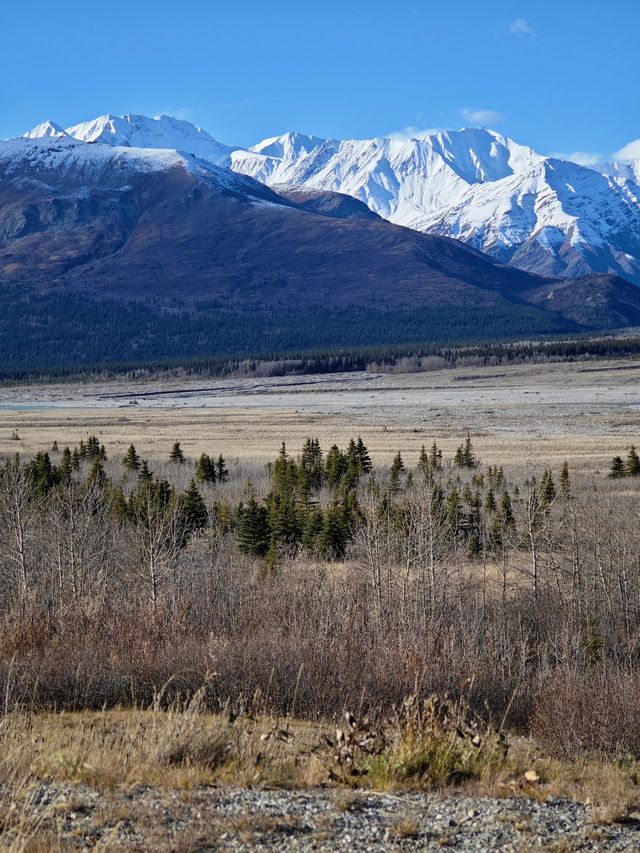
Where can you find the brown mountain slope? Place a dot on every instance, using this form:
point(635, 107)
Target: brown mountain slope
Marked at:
point(182, 236)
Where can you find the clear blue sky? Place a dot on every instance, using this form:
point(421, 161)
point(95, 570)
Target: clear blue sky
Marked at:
point(560, 75)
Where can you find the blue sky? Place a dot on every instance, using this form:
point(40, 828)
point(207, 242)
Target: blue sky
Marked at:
point(561, 76)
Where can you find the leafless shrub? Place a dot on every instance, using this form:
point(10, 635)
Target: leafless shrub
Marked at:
point(595, 713)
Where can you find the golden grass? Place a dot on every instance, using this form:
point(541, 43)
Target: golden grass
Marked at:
point(173, 749)
point(389, 412)
point(173, 754)
point(183, 750)
point(256, 435)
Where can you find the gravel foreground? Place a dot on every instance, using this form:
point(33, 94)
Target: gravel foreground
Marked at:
point(320, 820)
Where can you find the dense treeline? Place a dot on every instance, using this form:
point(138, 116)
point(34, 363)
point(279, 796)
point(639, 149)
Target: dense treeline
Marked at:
point(20, 362)
point(326, 578)
point(62, 330)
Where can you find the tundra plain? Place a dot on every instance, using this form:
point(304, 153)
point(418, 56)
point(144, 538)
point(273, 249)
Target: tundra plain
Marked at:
point(520, 415)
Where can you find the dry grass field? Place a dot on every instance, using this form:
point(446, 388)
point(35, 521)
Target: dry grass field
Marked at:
point(149, 774)
point(520, 415)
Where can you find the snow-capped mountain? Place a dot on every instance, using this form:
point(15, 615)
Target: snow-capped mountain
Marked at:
point(48, 129)
point(541, 214)
point(137, 131)
point(62, 158)
point(111, 251)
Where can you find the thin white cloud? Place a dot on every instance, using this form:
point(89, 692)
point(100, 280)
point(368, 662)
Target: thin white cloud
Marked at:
point(413, 132)
point(482, 117)
point(582, 158)
point(520, 26)
point(631, 151)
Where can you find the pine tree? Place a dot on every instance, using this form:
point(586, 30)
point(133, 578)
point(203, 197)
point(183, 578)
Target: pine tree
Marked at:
point(617, 468)
point(206, 469)
point(145, 475)
point(332, 539)
point(632, 466)
point(222, 474)
point(547, 489)
point(253, 530)
point(131, 459)
point(335, 465)
point(97, 476)
point(176, 455)
point(311, 463)
point(490, 501)
point(194, 511)
point(363, 456)
point(397, 467)
point(66, 466)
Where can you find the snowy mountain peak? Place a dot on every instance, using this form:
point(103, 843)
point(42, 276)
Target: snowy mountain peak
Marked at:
point(162, 131)
point(48, 129)
point(542, 214)
point(288, 145)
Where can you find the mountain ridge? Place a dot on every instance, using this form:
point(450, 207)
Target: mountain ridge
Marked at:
point(541, 214)
point(218, 263)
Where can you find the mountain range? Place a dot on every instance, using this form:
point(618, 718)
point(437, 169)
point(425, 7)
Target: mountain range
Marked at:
point(129, 238)
point(542, 214)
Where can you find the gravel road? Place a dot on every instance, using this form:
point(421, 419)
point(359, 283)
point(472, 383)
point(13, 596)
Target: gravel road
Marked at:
point(322, 820)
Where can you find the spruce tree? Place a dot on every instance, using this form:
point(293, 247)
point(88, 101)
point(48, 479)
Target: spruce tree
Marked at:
point(490, 501)
point(131, 459)
point(176, 455)
point(465, 457)
point(252, 533)
point(311, 463)
point(194, 511)
point(423, 462)
point(363, 456)
point(97, 476)
point(206, 469)
point(222, 474)
point(547, 489)
point(617, 468)
point(435, 457)
point(397, 467)
point(145, 475)
point(332, 540)
point(564, 482)
point(335, 465)
point(66, 465)
point(42, 474)
point(632, 466)
point(506, 511)
point(312, 530)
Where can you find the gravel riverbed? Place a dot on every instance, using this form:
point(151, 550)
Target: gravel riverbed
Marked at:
point(224, 819)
